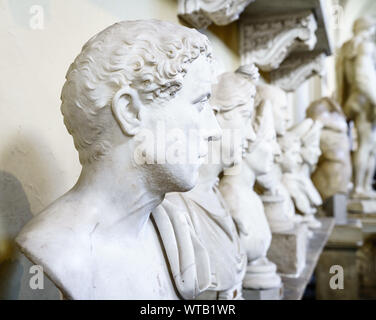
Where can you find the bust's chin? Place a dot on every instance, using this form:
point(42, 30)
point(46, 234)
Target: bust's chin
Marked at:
point(182, 180)
point(190, 182)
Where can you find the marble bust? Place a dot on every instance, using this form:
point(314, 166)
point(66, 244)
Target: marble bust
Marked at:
point(357, 96)
point(333, 172)
point(282, 113)
point(207, 218)
point(298, 179)
point(279, 208)
point(246, 205)
point(97, 241)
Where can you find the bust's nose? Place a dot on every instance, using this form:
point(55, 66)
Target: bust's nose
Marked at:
point(212, 130)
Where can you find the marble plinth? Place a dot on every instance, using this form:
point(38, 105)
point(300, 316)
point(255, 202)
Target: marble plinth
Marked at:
point(361, 206)
point(266, 294)
point(349, 235)
point(288, 250)
point(261, 275)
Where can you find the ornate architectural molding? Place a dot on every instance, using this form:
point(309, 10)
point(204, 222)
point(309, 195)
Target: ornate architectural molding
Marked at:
point(297, 68)
point(267, 40)
point(201, 13)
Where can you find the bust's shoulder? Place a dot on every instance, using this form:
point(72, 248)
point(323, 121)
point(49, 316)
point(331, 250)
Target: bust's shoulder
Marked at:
point(52, 240)
point(49, 225)
point(356, 47)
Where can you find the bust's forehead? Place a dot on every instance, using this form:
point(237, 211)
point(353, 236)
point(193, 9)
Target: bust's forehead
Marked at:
point(201, 73)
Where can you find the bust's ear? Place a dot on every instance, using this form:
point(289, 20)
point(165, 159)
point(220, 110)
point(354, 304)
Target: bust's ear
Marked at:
point(125, 108)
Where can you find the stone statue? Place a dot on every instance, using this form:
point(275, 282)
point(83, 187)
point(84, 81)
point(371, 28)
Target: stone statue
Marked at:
point(333, 172)
point(357, 95)
point(298, 179)
point(246, 206)
point(203, 213)
point(279, 208)
point(97, 241)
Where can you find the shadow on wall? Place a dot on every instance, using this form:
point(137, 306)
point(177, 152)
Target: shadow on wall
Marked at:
point(29, 158)
point(228, 35)
point(27, 183)
point(14, 266)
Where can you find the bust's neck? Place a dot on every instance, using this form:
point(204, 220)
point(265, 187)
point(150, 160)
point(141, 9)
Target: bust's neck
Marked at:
point(119, 193)
point(249, 176)
point(243, 177)
point(208, 176)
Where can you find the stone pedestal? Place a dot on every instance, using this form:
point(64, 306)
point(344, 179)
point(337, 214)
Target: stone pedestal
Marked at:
point(261, 274)
point(288, 250)
point(361, 206)
point(267, 294)
point(368, 222)
point(347, 235)
point(336, 207)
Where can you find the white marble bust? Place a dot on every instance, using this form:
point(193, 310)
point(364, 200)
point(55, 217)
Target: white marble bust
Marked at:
point(298, 178)
point(356, 75)
point(246, 205)
point(279, 208)
point(333, 172)
point(282, 113)
point(97, 241)
point(207, 219)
